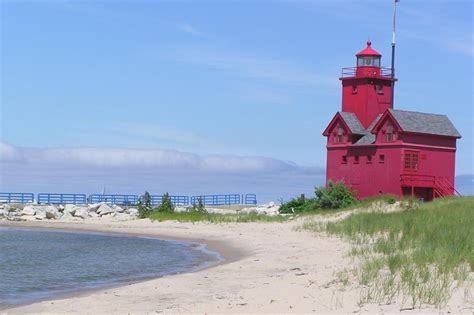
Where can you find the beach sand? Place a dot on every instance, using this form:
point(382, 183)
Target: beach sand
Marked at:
point(268, 268)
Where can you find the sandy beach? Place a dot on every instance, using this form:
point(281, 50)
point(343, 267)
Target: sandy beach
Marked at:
point(268, 268)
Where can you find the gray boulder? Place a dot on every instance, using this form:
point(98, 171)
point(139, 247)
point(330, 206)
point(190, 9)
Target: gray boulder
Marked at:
point(52, 213)
point(94, 207)
point(118, 209)
point(105, 209)
point(3, 213)
point(133, 212)
point(81, 213)
point(28, 210)
point(69, 209)
point(40, 213)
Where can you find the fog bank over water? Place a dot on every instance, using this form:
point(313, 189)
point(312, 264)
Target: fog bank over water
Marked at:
point(88, 170)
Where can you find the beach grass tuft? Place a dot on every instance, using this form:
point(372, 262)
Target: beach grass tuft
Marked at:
point(196, 216)
point(420, 253)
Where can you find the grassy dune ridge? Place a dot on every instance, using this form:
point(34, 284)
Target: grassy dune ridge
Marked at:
point(421, 253)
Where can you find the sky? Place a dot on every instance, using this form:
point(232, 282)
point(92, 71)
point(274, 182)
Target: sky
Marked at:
point(204, 97)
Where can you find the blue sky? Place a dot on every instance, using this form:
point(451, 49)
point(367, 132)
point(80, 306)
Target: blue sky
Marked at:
point(209, 96)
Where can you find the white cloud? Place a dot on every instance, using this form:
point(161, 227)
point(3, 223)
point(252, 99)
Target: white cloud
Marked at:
point(163, 159)
point(9, 152)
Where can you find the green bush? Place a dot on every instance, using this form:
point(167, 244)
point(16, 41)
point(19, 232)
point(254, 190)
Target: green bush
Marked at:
point(166, 205)
point(199, 207)
point(335, 196)
point(298, 205)
point(144, 206)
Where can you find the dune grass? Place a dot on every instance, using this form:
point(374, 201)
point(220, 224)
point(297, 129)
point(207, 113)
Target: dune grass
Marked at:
point(420, 253)
point(214, 217)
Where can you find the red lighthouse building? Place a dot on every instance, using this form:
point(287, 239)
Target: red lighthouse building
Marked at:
point(376, 149)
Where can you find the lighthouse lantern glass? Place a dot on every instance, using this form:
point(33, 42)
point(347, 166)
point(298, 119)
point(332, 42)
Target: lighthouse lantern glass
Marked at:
point(368, 61)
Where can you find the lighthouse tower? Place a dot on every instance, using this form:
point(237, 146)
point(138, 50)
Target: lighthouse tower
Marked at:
point(376, 149)
point(366, 88)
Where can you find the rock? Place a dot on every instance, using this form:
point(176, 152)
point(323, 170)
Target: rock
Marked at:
point(6, 207)
point(271, 204)
point(69, 209)
point(40, 213)
point(105, 209)
point(52, 213)
point(94, 207)
point(3, 213)
point(27, 218)
point(133, 212)
point(118, 209)
point(61, 207)
point(66, 215)
point(93, 214)
point(81, 213)
point(28, 210)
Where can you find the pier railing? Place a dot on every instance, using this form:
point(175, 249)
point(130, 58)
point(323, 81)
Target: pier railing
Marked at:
point(17, 197)
point(127, 200)
point(49, 198)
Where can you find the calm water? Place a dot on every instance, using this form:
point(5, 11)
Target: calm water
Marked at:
point(40, 264)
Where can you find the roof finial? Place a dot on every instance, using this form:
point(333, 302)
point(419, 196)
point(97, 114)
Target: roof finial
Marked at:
point(369, 42)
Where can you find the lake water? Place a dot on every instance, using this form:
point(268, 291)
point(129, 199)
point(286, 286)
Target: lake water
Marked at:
point(41, 264)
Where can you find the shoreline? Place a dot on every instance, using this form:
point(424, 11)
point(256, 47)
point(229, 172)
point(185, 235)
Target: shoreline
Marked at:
point(268, 268)
point(222, 254)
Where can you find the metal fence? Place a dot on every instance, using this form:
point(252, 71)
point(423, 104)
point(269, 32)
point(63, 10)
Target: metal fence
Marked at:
point(250, 199)
point(127, 200)
point(17, 197)
point(176, 200)
point(49, 198)
point(123, 200)
point(217, 200)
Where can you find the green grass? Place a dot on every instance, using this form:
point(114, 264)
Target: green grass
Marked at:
point(215, 217)
point(419, 253)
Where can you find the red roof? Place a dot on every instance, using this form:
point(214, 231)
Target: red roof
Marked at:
point(368, 51)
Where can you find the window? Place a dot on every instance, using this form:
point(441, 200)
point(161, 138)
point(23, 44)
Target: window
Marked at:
point(356, 159)
point(380, 89)
point(369, 159)
point(382, 158)
point(389, 133)
point(354, 89)
point(411, 161)
point(344, 159)
point(368, 62)
point(339, 135)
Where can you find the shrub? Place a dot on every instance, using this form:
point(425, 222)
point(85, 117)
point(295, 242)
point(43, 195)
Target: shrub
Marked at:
point(298, 205)
point(144, 206)
point(335, 196)
point(199, 207)
point(166, 205)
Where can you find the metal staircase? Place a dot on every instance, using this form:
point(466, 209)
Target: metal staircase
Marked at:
point(443, 188)
point(441, 185)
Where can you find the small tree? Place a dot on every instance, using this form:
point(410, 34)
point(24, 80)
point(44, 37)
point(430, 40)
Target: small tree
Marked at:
point(334, 196)
point(166, 205)
point(199, 207)
point(144, 206)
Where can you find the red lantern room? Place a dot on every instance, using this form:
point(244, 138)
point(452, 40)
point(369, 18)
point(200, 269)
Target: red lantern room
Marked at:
point(376, 149)
point(366, 88)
